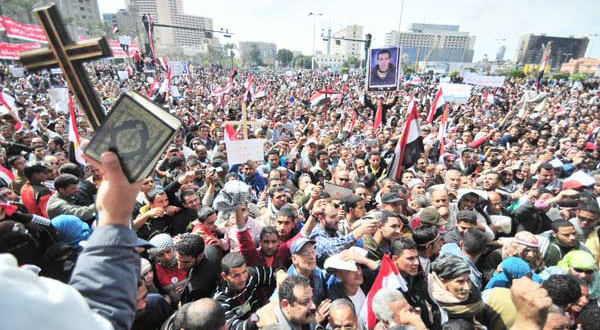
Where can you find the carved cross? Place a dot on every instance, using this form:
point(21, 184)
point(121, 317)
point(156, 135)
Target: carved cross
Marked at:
point(69, 56)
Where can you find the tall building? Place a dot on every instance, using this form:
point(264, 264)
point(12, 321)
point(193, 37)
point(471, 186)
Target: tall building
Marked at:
point(433, 43)
point(346, 48)
point(84, 13)
point(267, 51)
point(530, 49)
point(170, 12)
point(581, 65)
point(500, 53)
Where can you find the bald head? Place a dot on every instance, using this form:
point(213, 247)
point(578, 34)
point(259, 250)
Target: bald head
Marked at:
point(342, 315)
point(203, 314)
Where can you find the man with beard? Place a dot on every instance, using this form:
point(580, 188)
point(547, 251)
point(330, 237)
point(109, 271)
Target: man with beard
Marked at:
point(562, 241)
point(168, 277)
point(296, 308)
point(202, 273)
point(151, 309)
point(278, 197)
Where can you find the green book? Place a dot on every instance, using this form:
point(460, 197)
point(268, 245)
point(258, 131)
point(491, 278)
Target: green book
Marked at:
point(136, 129)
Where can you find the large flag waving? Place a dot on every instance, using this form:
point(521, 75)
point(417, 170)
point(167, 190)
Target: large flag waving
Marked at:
point(378, 115)
point(388, 277)
point(436, 106)
point(8, 103)
point(75, 152)
point(442, 134)
point(410, 147)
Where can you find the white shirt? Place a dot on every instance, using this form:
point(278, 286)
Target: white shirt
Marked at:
point(358, 299)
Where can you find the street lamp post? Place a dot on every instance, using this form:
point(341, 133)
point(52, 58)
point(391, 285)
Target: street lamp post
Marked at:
point(314, 33)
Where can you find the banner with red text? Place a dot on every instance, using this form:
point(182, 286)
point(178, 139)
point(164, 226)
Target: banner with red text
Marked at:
point(11, 51)
point(22, 31)
point(118, 51)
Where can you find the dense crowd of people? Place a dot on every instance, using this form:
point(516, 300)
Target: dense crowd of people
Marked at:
point(494, 226)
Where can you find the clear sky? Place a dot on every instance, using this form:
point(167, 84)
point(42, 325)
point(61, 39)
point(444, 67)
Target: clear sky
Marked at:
point(287, 24)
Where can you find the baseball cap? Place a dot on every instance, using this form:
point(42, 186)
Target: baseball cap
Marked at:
point(311, 140)
point(430, 215)
point(391, 197)
point(299, 243)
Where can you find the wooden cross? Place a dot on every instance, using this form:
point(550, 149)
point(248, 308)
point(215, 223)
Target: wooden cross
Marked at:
point(69, 56)
point(244, 122)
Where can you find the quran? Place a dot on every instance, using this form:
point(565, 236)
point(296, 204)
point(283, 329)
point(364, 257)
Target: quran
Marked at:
point(137, 130)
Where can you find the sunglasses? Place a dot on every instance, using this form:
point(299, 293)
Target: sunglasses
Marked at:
point(586, 271)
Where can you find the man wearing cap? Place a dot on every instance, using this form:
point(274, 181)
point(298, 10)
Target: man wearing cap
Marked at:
point(304, 263)
point(309, 159)
point(168, 277)
point(354, 280)
point(430, 217)
point(393, 202)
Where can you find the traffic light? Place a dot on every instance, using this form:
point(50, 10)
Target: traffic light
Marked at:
point(368, 41)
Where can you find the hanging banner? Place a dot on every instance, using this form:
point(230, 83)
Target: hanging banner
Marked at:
point(480, 80)
point(12, 51)
point(118, 51)
point(179, 68)
point(22, 31)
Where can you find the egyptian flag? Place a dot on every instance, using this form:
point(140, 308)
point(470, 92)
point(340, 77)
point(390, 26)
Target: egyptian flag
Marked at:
point(152, 86)
point(388, 277)
point(130, 70)
point(220, 92)
point(115, 29)
point(489, 97)
point(261, 93)
point(442, 134)
point(6, 175)
point(336, 82)
point(230, 133)
point(354, 117)
point(541, 73)
point(164, 86)
point(163, 63)
point(7, 103)
point(75, 152)
point(248, 86)
point(410, 147)
point(35, 123)
point(378, 115)
point(436, 106)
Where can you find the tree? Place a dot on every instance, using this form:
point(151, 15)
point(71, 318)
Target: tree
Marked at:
point(255, 56)
point(285, 56)
point(560, 75)
point(578, 76)
point(353, 62)
point(516, 74)
point(470, 69)
point(454, 74)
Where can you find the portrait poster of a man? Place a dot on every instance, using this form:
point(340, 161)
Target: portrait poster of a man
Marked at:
point(383, 72)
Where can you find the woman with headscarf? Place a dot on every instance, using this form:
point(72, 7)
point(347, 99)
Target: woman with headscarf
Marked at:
point(512, 268)
point(451, 288)
point(580, 264)
point(524, 245)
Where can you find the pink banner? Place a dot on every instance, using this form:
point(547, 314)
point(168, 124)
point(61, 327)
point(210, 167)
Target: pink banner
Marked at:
point(11, 51)
point(118, 52)
point(22, 31)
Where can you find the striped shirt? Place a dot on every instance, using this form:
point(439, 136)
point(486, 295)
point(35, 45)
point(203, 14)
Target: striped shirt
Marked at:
point(240, 305)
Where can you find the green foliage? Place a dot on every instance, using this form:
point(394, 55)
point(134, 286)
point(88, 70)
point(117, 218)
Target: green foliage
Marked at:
point(516, 74)
point(343, 70)
point(470, 69)
point(255, 56)
point(285, 56)
point(578, 76)
point(408, 70)
point(353, 62)
point(454, 74)
point(302, 61)
point(561, 75)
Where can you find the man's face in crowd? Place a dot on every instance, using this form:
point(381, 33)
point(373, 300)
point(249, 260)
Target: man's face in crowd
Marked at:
point(342, 318)
point(392, 229)
point(556, 321)
point(8, 194)
point(494, 201)
point(342, 178)
point(361, 168)
point(421, 165)
point(582, 301)
point(546, 176)
point(459, 287)
point(147, 184)
point(383, 61)
point(452, 180)
point(191, 202)
point(306, 258)
point(237, 277)
point(302, 310)
point(374, 161)
point(330, 219)
point(351, 278)
point(439, 198)
point(279, 199)
point(69, 191)
point(160, 200)
point(269, 244)
point(468, 202)
point(408, 262)
point(312, 150)
point(249, 170)
point(363, 193)
point(406, 177)
point(323, 161)
point(359, 211)
point(19, 164)
point(201, 153)
point(166, 257)
point(284, 226)
point(490, 181)
point(587, 220)
point(39, 153)
point(463, 226)
point(187, 262)
point(209, 223)
point(566, 236)
point(273, 161)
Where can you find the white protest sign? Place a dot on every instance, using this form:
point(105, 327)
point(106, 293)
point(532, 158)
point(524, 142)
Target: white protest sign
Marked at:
point(344, 77)
point(480, 80)
point(179, 68)
point(175, 91)
point(123, 75)
point(597, 73)
point(124, 40)
point(456, 93)
point(59, 98)
point(56, 71)
point(241, 151)
point(17, 71)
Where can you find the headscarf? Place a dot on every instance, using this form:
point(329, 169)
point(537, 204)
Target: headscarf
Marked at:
point(71, 230)
point(578, 259)
point(514, 247)
point(161, 242)
point(512, 268)
point(145, 265)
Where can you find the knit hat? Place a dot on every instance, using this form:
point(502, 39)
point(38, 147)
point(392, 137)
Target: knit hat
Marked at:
point(526, 238)
point(161, 242)
point(450, 266)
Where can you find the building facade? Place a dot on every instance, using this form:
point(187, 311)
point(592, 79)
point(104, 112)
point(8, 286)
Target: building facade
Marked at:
point(266, 51)
point(325, 61)
point(531, 49)
point(581, 65)
point(170, 12)
point(346, 48)
point(85, 15)
point(432, 42)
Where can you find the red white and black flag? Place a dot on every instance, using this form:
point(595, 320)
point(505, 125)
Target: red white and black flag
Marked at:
point(378, 115)
point(115, 28)
point(437, 106)
point(410, 147)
